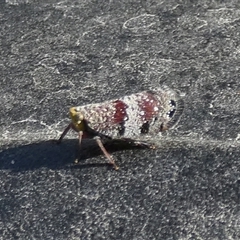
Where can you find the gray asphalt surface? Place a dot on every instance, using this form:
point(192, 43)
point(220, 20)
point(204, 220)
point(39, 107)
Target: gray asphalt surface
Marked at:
point(58, 54)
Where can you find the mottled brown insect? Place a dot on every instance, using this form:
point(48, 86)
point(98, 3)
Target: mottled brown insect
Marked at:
point(128, 118)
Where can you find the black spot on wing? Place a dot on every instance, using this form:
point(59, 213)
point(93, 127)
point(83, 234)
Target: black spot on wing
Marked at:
point(121, 128)
point(171, 113)
point(172, 103)
point(145, 128)
point(175, 113)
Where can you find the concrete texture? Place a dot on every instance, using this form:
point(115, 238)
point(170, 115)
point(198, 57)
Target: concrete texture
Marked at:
point(58, 54)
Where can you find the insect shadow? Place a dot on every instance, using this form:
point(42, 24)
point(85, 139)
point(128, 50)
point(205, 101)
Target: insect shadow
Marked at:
point(50, 155)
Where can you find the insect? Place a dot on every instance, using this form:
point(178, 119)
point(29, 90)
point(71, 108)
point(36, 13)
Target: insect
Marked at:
point(127, 118)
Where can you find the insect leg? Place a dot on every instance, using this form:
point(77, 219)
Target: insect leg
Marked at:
point(108, 156)
point(64, 133)
point(80, 135)
point(143, 144)
point(139, 143)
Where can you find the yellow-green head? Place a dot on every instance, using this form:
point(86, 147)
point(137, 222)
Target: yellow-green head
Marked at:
point(77, 119)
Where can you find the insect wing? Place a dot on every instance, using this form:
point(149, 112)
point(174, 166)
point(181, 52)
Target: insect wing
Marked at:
point(148, 112)
point(105, 118)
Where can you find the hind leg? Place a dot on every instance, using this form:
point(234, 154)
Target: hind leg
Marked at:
point(139, 143)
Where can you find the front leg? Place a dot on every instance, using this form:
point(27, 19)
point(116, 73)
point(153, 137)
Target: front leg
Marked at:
point(64, 133)
point(70, 126)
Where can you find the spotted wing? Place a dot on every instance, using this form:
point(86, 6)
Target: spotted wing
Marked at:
point(147, 112)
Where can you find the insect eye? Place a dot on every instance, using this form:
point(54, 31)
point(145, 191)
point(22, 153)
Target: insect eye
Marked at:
point(80, 116)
